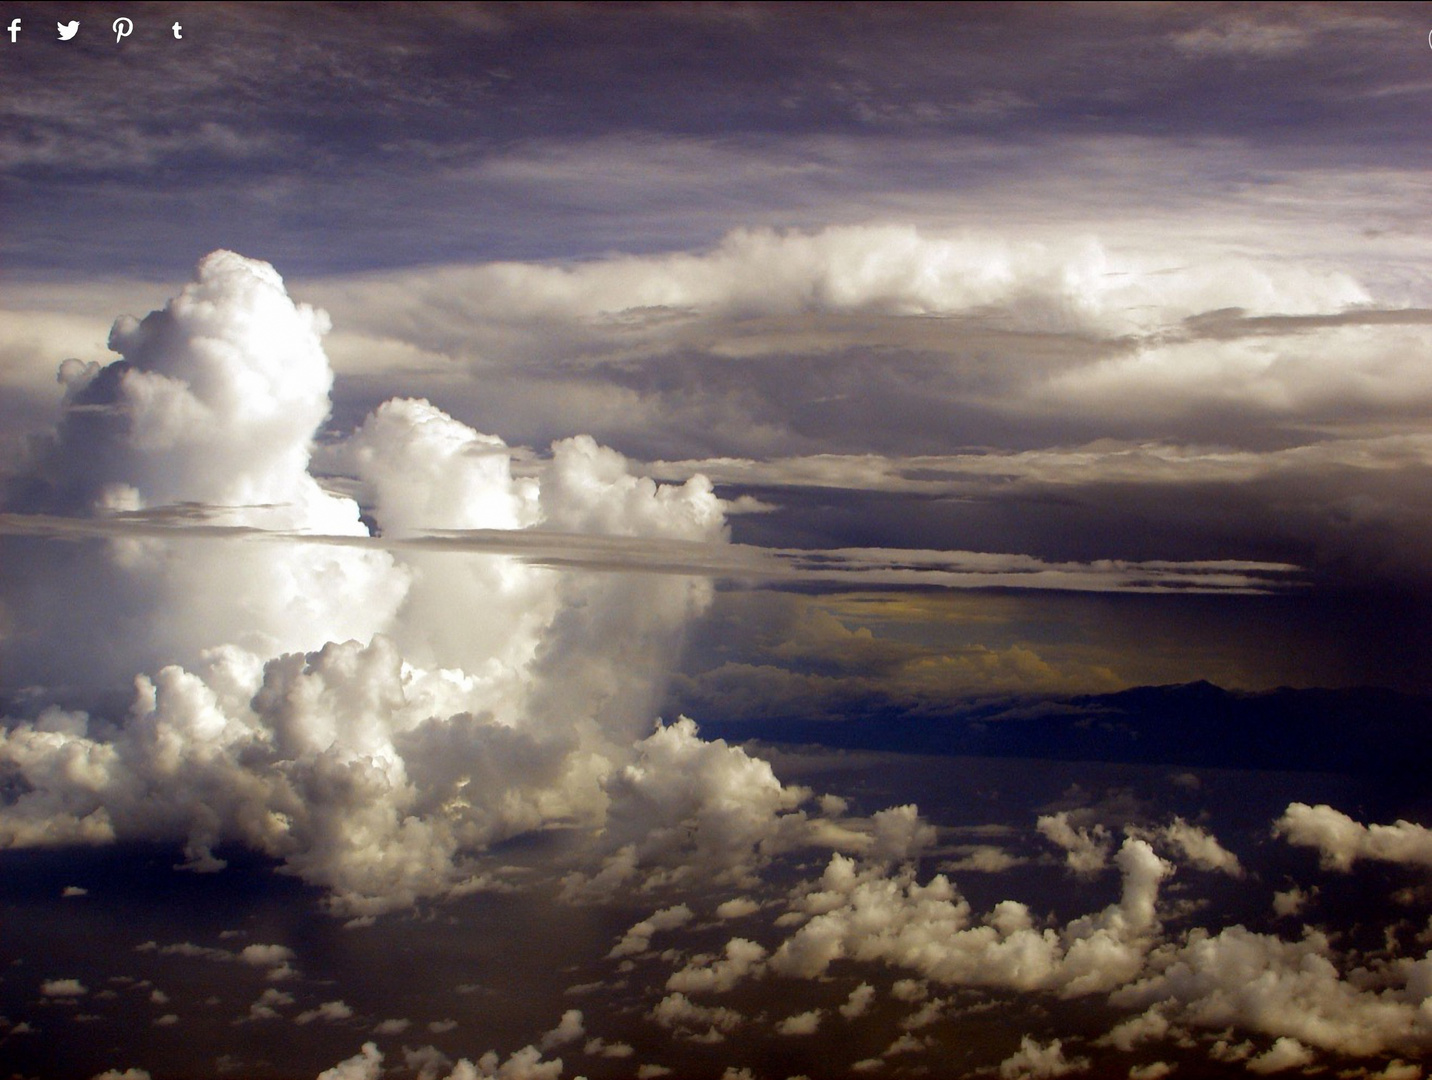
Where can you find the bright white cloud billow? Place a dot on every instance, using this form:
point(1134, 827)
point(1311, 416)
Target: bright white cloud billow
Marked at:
point(1287, 989)
point(862, 914)
point(1341, 841)
point(215, 403)
point(365, 718)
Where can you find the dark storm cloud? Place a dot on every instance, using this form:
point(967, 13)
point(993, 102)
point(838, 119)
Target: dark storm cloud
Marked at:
point(272, 126)
point(1348, 510)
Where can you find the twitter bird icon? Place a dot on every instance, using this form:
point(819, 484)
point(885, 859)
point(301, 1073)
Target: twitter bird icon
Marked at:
point(69, 29)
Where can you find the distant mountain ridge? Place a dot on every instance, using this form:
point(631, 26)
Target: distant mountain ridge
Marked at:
point(1361, 731)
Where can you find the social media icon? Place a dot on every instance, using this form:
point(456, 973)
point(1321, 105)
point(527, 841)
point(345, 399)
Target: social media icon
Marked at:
point(68, 29)
point(176, 28)
point(122, 28)
point(14, 30)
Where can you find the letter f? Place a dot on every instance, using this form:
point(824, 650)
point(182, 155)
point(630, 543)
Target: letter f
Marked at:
point(14, 29)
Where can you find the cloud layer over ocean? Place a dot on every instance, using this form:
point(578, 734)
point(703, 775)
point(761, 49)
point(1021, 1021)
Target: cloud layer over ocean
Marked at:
point(729, 541)
point(375, 718)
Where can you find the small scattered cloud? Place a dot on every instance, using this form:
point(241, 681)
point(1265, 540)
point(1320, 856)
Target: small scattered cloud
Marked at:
point(63, 988)
point(332, 1011)
point(858, 1003)
point(806, 1023)
point(638, 938)
point(1034, 1061)
point(569, 1029)
point(737, 908)
point(1285, 1053)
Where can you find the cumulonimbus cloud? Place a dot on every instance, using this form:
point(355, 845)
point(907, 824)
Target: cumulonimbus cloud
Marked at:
point(371, 717)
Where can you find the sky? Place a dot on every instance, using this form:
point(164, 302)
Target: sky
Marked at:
point(715, 540)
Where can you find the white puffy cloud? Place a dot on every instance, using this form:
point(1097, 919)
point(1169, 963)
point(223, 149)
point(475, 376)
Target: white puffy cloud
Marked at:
point(907, 1044)
point(569, 1029)
point(1341, 841)
point(1199, 847)
point(929, 1013)
point(909, 990)
point(638, 938)
point(806, 1023)
point(867, 915)
point(679, 1013)
point(268, 1004)
point(1086, 850)
point(266, 955)
point(63, 988)
point(1261, 983)
point(332, 1011)
point(1127, 1034)
point(737, 907)
point(899, 834)
point(687, 808)
point(524, 1064)
point(707, 974)
point(1154, 1070)
point(1397, 1069)
point(1292, 901)
point(428, 1062)
point(602, 1048)
point(367, 1064)
point(858, 1003)
point(1285, 1053)
point(1033, 1061)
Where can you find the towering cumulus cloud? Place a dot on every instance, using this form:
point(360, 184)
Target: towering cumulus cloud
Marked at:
point(367, 713)
point(212, 410)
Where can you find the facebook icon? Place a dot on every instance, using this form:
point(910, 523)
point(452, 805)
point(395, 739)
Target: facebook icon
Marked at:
point(14, 29)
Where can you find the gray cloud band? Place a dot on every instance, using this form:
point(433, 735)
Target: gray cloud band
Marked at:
point(618, 554)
